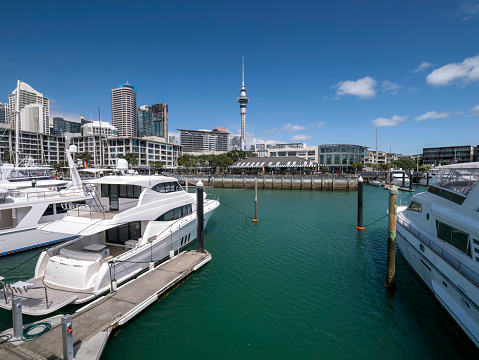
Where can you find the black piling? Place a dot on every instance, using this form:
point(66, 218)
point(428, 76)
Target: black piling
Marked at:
point(427, 179)
point(410, 180)
point(403, 179)
point(360, 204)
point(392, 217)
point(200, 240)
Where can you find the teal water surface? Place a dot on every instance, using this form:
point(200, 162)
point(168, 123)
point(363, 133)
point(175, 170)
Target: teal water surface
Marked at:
point(302, 283)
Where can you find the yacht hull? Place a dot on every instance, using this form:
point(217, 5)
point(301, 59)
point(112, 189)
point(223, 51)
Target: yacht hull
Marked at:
point(12, 241)
point(452, 291)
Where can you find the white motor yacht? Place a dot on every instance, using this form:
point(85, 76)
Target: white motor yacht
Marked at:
point(20, 177)
point(438, 234)
point(397, 178)
point(23, 210)
point(134, 222)
point(431, 173)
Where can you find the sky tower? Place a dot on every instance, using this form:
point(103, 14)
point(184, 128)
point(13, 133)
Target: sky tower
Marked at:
point(243, 100)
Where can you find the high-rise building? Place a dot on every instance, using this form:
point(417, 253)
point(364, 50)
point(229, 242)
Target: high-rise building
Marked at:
point(29, 96)
point(160, 120)
point(62, 126)
point(145, 120)
point(4, 119)
point(243, 100)
point(124, 113)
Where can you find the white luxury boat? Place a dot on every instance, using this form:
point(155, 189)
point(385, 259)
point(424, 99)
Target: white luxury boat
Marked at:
point(438, 234)
point(133, 222)
point(431, 173)
point(23, 210)
point(397, 177)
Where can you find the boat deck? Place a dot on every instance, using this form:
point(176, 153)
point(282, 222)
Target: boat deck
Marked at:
point(93, 323)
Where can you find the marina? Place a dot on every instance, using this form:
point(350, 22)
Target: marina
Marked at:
point(302, 283)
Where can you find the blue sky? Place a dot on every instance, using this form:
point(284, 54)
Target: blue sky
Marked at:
point(315, 71)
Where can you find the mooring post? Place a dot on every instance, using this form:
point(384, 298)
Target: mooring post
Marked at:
point(209, 179)
point(427, 179)
point(392, 215)
point(186, 182)
point(410, 180)
point(67, 337)
point(17, 317)
point(403, 179)
point(255, 200)
point(200, 242)
point(360, 204)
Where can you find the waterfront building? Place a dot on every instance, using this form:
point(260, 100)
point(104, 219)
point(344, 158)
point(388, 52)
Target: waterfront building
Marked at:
point(4, 119)
point(341, 156)
point(259, 149)
point(145, 149)
point(96, 128)
point(274, 165)
point(39, 115)
point(62, 126)
point(308, 153)
point(454, 154)
point(289, 145)
point(43, 148)
point(243, 100)
point(215, 140)
point(235, 143)
point(124, 113)
point(172, 139)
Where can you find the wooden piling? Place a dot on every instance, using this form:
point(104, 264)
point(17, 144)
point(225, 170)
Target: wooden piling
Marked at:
point(392, 215)
point(360, 204)
point(255, 200)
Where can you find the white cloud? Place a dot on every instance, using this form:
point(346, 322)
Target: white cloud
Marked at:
point(424, 65)
point(363, 88)
point(390, 86)
point(320, 124)
point(66, 115)
point(475, 108)
point(432, 115)
point(271, 130)
point(464, 72)
point(468, 10)
point(458, 112)
point(300, 137)
point(293, 128)
point(393, 121)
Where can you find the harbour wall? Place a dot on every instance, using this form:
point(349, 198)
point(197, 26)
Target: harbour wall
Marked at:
point(327, 183)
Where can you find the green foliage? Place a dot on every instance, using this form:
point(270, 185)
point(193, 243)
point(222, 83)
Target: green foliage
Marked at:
point(325, 168)
point(357, 166)
point(156, 165)
point(6, 156)
point(405, 164)
point(445, 162)
point(425, 167)
point(131, 158)
point(85, 157)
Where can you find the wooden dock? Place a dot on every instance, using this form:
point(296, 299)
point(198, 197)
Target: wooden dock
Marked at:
point(93, 323)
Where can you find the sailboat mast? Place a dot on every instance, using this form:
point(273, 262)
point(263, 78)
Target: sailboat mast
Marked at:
point(17, 124)
point(377, 159)
point(101, 139)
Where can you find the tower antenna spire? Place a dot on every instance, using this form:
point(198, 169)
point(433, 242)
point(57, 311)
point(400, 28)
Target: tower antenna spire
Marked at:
point(242, 83)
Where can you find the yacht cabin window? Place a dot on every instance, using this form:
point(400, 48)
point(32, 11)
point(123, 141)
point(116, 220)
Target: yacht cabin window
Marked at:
point(123, 233)
point(454, 237)
point(122, 190)
point(167, 187)
point(176, 213)
point(415, 206)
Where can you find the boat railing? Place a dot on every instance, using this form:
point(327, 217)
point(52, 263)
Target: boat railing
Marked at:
point(44, 194)
point(445, 254)
point(98, 210)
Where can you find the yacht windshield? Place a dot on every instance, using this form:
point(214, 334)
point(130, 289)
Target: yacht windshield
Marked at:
point(459, 181)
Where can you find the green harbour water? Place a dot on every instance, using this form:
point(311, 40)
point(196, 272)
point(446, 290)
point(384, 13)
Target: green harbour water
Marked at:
point(302, 283)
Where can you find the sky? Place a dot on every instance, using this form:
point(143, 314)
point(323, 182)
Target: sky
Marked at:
point(318, 72)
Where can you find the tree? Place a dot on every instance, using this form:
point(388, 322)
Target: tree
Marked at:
point(357, 166)
point(406, 164)
point(156, 165)
point(6, 156)
point(445, 162)
point(325, 168)
point(425, 167)
point(187, 160)
point(131, 158)
point(85, 157)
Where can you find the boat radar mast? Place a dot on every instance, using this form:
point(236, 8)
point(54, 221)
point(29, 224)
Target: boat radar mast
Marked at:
point(243, 100)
